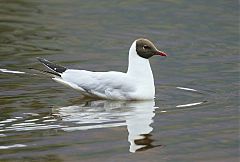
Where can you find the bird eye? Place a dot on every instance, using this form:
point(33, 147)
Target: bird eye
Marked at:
point(146, 47)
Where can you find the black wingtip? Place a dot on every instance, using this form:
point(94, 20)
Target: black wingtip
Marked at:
point(52, 66)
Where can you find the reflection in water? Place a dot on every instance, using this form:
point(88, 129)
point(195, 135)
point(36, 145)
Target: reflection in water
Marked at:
point(136, 115)
point(138, 126)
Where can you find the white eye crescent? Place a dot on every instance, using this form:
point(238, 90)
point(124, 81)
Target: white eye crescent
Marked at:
point(146, 47)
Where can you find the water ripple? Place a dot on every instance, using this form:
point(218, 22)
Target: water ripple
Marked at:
point(12, 146)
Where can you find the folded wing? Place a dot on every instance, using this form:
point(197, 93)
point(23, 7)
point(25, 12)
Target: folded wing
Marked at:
point(113, 85)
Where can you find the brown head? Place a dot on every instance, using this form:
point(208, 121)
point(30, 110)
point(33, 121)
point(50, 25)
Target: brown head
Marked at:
point(146, 49)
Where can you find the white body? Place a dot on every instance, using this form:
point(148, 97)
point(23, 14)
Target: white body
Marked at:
point(136, 84)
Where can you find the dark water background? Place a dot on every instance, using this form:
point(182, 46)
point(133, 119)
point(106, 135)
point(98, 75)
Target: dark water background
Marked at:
point(41, 120)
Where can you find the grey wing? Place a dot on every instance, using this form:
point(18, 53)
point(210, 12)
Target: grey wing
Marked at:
point(102, 84)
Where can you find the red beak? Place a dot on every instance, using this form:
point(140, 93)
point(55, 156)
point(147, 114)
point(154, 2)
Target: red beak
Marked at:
point(161, 53)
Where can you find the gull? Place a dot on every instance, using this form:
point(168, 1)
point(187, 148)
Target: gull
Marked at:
point(136, 84)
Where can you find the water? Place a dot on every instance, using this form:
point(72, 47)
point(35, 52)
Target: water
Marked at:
point(194, 116)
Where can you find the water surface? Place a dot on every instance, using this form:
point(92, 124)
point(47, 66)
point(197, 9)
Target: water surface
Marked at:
point(194, 116)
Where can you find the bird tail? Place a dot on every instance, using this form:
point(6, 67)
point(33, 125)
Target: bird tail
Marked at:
point(45, 72)
point(56, 70)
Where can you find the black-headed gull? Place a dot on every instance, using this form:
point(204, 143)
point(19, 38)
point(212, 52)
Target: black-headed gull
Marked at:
point(136, 84)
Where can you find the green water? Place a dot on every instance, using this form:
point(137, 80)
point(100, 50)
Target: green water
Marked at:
point(41, 120)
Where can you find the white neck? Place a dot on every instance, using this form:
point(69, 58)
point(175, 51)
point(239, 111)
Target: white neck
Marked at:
point(138, 66)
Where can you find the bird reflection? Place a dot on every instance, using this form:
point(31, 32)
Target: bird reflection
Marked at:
point(136, 115)
point(143, 144)
point(139, 126)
